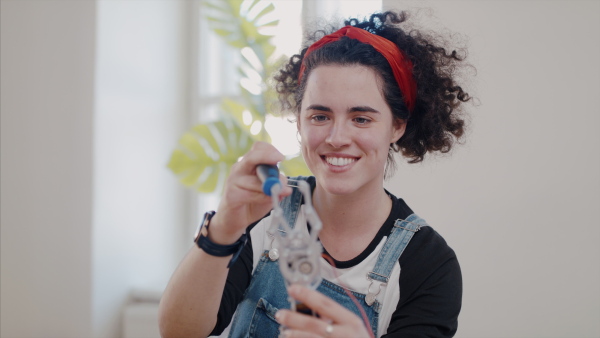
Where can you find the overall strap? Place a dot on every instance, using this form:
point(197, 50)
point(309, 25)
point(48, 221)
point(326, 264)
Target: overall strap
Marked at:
point(291, 204)
point(393, 248)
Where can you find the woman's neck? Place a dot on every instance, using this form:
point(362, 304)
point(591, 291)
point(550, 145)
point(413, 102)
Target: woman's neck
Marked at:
point(350, 221)
point(347, 214)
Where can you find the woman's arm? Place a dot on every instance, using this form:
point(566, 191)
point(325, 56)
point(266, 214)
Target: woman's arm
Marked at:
point(190, 303)
point(430, 289)
point(433, 310)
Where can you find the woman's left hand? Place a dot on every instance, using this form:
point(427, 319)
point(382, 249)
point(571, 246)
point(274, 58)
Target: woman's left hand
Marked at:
point(334, 321)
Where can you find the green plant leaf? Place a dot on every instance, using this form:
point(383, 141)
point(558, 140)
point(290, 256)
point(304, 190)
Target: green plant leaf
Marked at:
point(217, 20)
point(295, 166)
point(217, 5)
point(207, 152)
point(236, 5)
point(269, 24)
point(268, 9)
point(223, 32)
point(249, 30)
point(253, 61)
point(255, 104)
point(236, 110)
point(253, 4)
point(268, 50)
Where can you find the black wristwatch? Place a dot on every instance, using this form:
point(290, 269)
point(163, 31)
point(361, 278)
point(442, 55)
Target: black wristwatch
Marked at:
point(214, 249)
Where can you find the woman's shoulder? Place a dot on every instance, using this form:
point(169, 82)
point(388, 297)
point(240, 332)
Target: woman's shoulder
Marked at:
point(429, 259)
point(427, 251)
point(428, 244)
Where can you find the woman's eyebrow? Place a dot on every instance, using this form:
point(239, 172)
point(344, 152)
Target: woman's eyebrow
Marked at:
point(318, 107)
point(357, 109)
point(364, 109)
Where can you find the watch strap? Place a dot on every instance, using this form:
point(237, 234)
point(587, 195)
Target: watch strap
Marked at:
point(220, 250)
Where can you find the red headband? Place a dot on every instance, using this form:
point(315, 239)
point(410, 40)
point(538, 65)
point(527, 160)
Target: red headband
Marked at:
point(401, 65)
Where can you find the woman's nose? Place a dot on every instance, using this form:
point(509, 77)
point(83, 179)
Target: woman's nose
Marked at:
point(338, 136)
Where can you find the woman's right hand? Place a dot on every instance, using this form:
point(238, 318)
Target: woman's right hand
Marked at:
point(243, 201)
point(189, 305)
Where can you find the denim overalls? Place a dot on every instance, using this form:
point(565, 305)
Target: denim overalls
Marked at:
point(255, 315)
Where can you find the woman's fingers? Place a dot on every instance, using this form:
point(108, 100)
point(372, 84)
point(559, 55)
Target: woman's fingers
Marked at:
point(323, 305)
point(285, 191)
point(300, 325)
point(298, 334)
point(260, 153)
point(340, 322)
point(243, 200)
point(243, 174)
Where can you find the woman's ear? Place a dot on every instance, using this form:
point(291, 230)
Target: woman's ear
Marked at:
point(399, 129)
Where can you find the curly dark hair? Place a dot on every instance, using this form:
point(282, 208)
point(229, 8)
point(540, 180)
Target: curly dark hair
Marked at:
point(436, 121)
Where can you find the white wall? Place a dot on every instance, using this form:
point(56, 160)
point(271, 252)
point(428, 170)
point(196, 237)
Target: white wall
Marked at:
point(47, 67)
point(139, 208)
point(519, 201)
point(93, 102)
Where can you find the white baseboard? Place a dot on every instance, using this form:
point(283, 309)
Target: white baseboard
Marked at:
point(140, 320)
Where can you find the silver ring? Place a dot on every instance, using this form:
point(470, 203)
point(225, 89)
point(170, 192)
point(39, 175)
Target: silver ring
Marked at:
point(329, 330)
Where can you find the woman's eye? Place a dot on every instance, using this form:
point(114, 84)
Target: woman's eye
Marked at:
point(319, 118)
point(361, 120)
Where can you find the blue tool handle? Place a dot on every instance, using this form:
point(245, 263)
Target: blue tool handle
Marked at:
point(269, 175)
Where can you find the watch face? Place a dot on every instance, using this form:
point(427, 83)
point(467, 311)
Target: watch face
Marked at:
point(198, 229)
point(202, 229)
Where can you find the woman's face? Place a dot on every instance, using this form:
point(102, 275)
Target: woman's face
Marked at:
point(346, 128)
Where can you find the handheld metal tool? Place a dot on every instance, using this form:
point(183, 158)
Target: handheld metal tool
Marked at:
point(297, 249)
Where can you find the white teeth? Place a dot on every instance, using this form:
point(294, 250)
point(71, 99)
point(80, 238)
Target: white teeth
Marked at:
point(339, 161)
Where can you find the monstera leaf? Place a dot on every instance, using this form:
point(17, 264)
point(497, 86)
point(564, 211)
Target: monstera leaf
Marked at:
point(236, 111)
point(207, 152)
point(240, 27)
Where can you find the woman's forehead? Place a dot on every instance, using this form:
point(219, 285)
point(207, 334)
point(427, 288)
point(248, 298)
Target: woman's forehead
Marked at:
point(343, 84)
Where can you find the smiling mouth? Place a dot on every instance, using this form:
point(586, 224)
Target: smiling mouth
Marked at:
point(339, 161)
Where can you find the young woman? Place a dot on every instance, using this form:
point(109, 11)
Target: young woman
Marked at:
point(359, 95)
